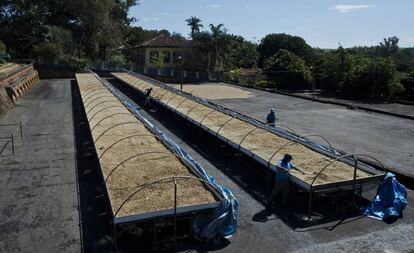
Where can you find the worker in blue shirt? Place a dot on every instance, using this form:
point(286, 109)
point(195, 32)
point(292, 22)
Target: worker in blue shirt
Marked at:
point(282, 180)
point(271, 118)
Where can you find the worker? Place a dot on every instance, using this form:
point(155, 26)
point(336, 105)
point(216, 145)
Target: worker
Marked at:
point(271, 118)
point(282, 180)
point(148, 97)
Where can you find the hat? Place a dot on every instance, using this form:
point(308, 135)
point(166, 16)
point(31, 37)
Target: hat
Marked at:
point(272, 110)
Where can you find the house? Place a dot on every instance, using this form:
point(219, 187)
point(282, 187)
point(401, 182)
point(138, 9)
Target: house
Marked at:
point(161, 55)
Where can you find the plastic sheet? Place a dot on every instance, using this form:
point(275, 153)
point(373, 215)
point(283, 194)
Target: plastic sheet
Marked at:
point(223, 222)
point(390, 200)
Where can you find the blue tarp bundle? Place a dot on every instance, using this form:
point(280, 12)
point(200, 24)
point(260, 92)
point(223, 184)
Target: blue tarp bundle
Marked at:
point(223, 222)
point(390, 200)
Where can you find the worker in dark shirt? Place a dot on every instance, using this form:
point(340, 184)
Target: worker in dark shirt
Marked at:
point(282, 180)
point(271, 118)
point(148, 97)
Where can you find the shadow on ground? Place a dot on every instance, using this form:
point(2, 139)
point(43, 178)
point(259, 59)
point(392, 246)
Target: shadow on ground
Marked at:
point(95, 216)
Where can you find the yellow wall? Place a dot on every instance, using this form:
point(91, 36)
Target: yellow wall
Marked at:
point(148, 63)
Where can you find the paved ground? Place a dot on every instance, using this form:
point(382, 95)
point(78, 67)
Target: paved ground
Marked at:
point(38, 191)
point(387, 107)
point(389, 138)
point(261, 231)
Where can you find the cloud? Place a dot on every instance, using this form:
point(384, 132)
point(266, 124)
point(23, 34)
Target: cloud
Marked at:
point(160, 14)
point(343, 8)
point(213, 6)
point(145, 19)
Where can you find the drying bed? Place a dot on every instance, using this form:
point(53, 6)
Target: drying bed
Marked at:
point(261, 143)
point(131, 157)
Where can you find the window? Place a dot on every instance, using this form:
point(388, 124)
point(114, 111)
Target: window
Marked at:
point(176, 56)
point(166, 56)
point(154, 56)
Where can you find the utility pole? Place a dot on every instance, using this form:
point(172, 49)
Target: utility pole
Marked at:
point(182, 72)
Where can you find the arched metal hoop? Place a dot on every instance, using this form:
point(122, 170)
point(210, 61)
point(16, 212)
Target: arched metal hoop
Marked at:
point(97, 98)
point(256, 128)
point(172, 179)
point(89, 96)
point(205, 116)
point(185, 99)
point(103, 109)
point(138, 155)
point(353, 155)
point(292, 142)
point(114, 126)
point(126, 138)
point(218, 131)
point(112, 100)
point(107, 117)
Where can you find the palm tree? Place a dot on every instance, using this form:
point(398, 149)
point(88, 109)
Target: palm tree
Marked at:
point(195, 24)
point(218, 42)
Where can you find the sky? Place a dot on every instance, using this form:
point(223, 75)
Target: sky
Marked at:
point(322, 23)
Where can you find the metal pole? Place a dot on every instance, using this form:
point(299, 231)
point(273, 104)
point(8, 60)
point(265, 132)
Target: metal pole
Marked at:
point(310, 205)
point(182, 75)
point(175, 213)
point(12, 140)
point(353, 183)
point(21, 131)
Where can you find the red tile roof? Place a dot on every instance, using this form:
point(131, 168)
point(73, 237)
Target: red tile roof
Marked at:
point(162, 41)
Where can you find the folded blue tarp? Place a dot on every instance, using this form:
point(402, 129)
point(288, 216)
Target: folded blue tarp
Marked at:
point(223, 221)
point(390, 200)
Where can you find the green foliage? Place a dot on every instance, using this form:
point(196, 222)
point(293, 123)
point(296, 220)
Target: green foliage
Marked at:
point(360, 76)
point(2, 61)
point(239, 54)
point(272, 43)
point(48, 52)
point(289, 70)
point(266, 84)
point(2, 47)
point(81, 27)
point(195, 24)
point(407, 80)
point(77, 63)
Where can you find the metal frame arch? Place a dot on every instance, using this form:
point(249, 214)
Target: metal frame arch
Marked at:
point(292, 142)
point(171, 98)
point(353, 155)
point(288, 128)
point(225, 123)
point(109, 107)
point(159, 88)
point(197, 104)
point(97, 98)
point(185, 99)
point(109, 116)
point(113, 100)
point(163, 94)
point(256, 128)
point(86, 91)
point(205, 116)
point(112, 127)
point(162, 180)
point(135, 156)
point(87, 97)
point(126, 138)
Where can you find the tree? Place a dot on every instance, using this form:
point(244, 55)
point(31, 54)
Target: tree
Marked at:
point(272, 43)
point(289, 70)
point(239, 54)
point(389, 47)
point(2, 47)
point(195, 24)
point(218, 44)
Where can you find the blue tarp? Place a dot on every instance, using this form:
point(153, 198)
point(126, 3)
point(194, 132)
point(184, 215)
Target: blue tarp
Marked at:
point(390, 200)
point(223, 222)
